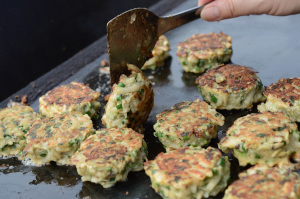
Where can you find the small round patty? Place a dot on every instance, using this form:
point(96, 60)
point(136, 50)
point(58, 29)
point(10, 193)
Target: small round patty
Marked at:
point(56, 138)
point(190, 172)
point(108, 156)
point(261, 182)
point(262, 138)
point(15, 121)
point(230, 86)
point(73, 97)
point(188, 123)
point(204, 51)
point(130, 103)
point(159, 52)
point(283, 96)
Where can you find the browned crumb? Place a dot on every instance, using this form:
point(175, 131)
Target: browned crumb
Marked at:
point(106, 97)
point(104, 62)
point(24, 99)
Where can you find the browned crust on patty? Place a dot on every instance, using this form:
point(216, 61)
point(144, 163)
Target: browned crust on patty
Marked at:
point(191, 121)
point(236, 78)
point(73, 93)
point(287, 90)
point(186, 164)
point(202, 42)
point(270, 183)
point(256, 127)
point(109, 145)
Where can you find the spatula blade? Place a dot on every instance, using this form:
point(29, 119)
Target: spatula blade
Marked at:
point(131, 37)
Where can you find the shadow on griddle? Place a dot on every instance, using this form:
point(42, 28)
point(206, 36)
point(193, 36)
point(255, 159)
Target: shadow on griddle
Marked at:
point(189, 78)
point(137, 182)
point(61, 175)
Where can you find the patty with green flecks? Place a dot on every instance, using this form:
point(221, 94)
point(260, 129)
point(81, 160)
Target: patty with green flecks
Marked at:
point(73, 97)
point(261, 182)
point(190, 172)
point(283, 96)
point(262, 138)
point(188, 123)
point(204, 51)
point(159, 52)
point(230, 86)
point(15, 121)
point(56, 138)
point(130, 103)
point(108, 156)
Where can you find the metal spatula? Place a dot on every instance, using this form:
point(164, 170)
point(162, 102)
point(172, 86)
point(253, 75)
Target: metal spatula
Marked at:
point(132, 35)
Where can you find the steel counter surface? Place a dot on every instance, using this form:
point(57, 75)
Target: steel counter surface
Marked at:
point(269, 44)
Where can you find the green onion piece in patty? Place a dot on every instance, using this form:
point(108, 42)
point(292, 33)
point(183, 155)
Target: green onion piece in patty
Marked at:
point(119, 98)
point(119, 106)
point(213, 98)
point(121, 85)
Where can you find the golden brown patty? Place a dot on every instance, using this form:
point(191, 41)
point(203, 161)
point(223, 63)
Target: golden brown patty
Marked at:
point(56, 138)
point(130, 103)
point(261, 182)
point(67, 98)
point(203, 51)
point(109, 155)
point(190, 172)
point(159, 52)
point(262, 138)
point(283, 96)
point(189, 123)
point(230, 86)
point(15, 121)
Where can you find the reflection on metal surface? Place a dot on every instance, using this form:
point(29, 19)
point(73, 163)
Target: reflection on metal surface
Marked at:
point(60, 175)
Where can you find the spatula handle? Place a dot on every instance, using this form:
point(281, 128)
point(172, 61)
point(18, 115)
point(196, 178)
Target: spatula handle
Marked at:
point(179, 19)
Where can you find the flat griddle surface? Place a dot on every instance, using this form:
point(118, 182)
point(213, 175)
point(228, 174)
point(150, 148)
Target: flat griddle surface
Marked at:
point(270, 45)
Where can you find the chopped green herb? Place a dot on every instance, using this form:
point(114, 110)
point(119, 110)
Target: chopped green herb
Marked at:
point(6, 135)
point(261, 135)
point(121, 85)
point(109, 168)
point(70, 143)
point(43, 154)
point(200, 62)
point(119, 98)
point(215, 172)
point(243, 148)
point(159, 135)
point(292, 99)
point(2, 149)
point(88, 112)
point(141, 91)
point(185, 137)
point(221, 162)
point(184, 63)
point(213, 98)
point(119, 106)
point(259, 85)
point(257, 156)
point(217, 114)
point(280, 128)
point(112, 179)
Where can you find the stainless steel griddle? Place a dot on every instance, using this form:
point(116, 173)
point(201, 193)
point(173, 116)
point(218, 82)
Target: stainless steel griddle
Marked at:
point(271, 45)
